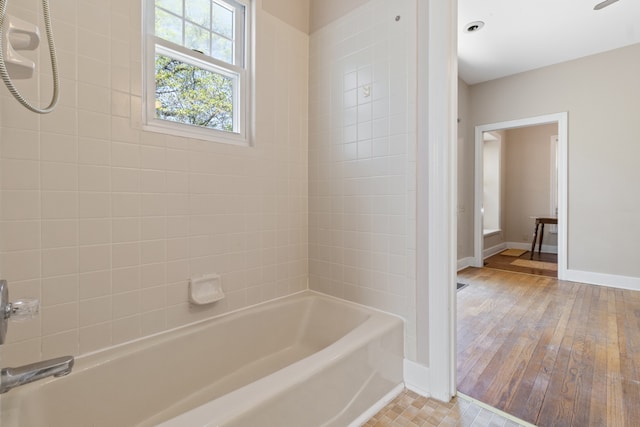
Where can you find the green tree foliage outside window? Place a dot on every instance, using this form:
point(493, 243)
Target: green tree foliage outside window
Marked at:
point(191, 95)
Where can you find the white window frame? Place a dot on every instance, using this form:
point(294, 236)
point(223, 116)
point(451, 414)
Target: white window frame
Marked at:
point(241, 72)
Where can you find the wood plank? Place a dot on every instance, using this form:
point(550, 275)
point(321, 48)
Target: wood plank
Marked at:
point(550, 352)
point(630, 362)
point(615, 411)
point(512, 366)
point(557, 409)
point(584, 360)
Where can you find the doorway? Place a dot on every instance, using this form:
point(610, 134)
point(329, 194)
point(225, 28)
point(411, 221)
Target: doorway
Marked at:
point(561, 119)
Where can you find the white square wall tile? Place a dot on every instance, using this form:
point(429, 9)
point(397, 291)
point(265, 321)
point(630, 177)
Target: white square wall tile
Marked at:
point(125, 254)
point(103, 212)
point(59, 290)
point(126, 329)
point(19, 174)
point(59, 176)
point(19, 235)
point(93, 311)
point(125, 204)
point(153, 158)
point(125, 155)
point(23, 265)
point(125, 279)
point(62, 343)
point(59, 318)
point(94, 205)
point(94, 98)
point(59, 233)
point(61, 121)
point(153, 251)
point(125, 230)
point(94, 231)
point(58, 148)
point(59, 262)
point(94, 152)
point(19, 144)
point(125, 180)
point(125, 304)
point(154, 205)
point(95, 337)
point(94, 178)
point(20, 205)
point(94, 284)
point(94, 258)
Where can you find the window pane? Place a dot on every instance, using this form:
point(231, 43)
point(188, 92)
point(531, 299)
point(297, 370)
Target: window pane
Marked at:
point(196, 38)
point(199, 11)
point(222, 48)
point(168, 27)
point(174, 6)
point(222, 21)
point(194, 96)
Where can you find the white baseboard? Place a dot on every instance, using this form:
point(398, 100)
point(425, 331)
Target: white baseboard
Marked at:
point(416, 378)
point(611, 280)
point(464, 263)
point(487, 252)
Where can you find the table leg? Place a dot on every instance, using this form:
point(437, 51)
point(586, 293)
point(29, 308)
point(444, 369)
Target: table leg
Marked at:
point(541, 236)
point(535, 237)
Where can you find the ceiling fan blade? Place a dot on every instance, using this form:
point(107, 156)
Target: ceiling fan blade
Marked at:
point(604, 4)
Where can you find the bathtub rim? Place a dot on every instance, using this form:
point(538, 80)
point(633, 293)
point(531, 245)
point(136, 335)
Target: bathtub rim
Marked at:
point(164, 335)
point(236, 402)
point(105, 355)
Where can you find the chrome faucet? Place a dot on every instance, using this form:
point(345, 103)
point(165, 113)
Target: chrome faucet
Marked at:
point(15, 377)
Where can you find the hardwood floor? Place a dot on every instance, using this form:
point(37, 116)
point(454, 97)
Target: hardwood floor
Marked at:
point(503, 262)
point(550, 352)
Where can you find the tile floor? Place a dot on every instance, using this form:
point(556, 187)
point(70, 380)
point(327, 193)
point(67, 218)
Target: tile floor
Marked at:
point(412, 410)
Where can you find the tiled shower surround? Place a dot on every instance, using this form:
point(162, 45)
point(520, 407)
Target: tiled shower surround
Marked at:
point(105, 222)
point(362, 159)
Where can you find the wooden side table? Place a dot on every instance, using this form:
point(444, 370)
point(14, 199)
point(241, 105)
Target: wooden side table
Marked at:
point(540, 220)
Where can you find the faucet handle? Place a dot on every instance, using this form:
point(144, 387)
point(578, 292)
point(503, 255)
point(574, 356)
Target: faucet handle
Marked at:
point(24, 309)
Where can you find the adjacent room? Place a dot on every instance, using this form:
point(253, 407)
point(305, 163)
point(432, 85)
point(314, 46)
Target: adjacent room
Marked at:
point(546, 147)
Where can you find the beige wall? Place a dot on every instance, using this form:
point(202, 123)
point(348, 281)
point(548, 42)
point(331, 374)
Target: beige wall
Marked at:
point(600, 94)
point(105, 223)
point(465, 173)
point(528, 181)
point(294, 13)
point(324, 12)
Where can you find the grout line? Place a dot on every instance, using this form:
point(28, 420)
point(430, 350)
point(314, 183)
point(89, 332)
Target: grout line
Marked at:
point(494, 410)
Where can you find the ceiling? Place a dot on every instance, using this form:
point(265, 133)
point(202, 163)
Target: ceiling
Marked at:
point(522, 35)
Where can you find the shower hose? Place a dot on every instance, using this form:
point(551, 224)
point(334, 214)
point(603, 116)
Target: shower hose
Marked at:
point(52, 53)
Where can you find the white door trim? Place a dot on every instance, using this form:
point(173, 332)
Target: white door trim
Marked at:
point(436, 188)
point(562, 120)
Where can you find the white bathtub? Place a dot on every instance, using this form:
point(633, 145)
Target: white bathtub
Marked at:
point(304, 360)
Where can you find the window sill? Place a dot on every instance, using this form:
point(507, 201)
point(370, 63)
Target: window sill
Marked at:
point(491, 232)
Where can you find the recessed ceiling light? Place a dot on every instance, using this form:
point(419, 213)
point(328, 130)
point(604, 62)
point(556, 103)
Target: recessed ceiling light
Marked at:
point(473, 27)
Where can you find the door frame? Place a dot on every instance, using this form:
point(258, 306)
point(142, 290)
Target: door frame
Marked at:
point(562, 120)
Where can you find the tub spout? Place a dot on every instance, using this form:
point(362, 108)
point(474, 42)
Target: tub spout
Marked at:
point(15, 377)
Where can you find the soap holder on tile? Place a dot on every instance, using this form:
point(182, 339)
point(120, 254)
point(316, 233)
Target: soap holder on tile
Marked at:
point(205, 289)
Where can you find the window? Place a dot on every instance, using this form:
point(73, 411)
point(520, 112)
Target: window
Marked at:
point(196, 68)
